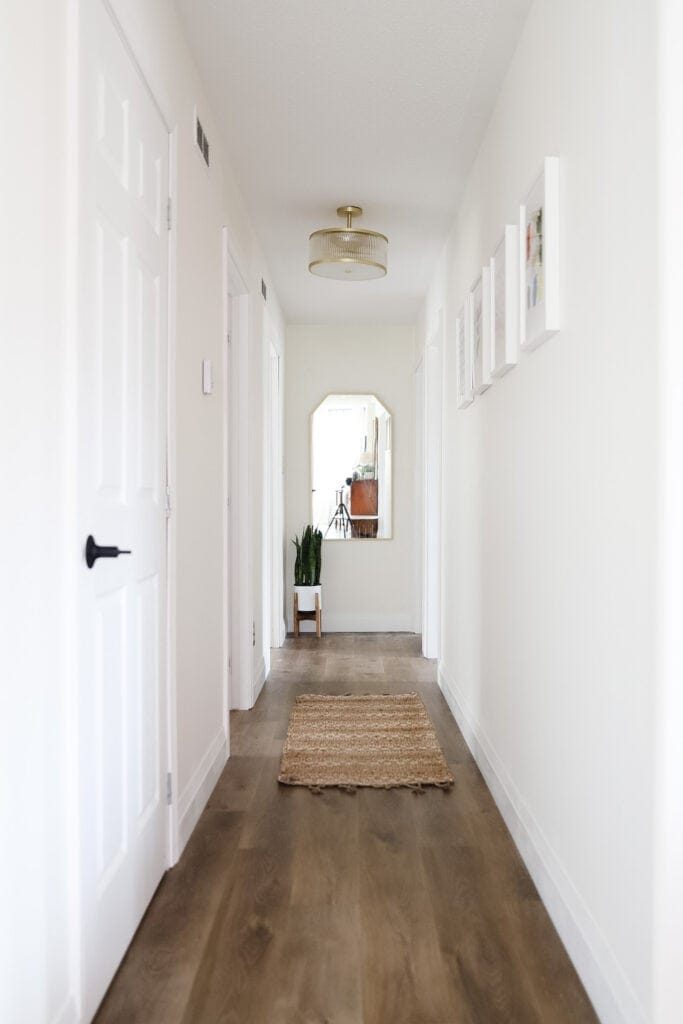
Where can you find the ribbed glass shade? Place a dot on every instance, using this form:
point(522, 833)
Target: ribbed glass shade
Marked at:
point(347, 254)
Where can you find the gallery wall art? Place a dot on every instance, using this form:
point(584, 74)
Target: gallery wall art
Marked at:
point(514, 303)
point(539, 218)
point(504, 275)
point(463, 352)
point(480, 328)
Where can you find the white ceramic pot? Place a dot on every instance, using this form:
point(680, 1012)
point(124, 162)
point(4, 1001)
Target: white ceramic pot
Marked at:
point(307, 597)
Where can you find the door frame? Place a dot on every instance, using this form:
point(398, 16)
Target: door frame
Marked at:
point(266, 502)
point(227, 400)
point(419, 499)
point(237, 590)
point(275, 526)
point(433, 443)
point(667, 845)
point(171, 491)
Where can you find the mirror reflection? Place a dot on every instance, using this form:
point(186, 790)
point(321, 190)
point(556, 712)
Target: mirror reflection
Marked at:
point(351, 468)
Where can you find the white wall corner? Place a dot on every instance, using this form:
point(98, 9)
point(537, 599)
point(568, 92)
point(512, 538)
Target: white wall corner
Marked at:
point(607, 986)
point(68, 1012)
point(259, 679)
point(195, 796)
point(434, 333)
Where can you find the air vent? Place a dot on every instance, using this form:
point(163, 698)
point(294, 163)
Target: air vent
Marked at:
point(264, 290)
point(201, 140)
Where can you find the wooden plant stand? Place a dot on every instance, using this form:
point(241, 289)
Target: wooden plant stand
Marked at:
point(315, 616)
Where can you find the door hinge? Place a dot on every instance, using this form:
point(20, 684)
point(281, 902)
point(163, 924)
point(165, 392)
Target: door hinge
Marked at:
point(229, 338)
point(168, 507)
point(169, 788)
point(229, 664)
point(169, 213)
point(253, 634)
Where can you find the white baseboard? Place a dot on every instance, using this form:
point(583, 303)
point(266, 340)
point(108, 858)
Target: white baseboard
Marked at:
point(259, 679)
point(194, 797)
point(609, 989)
point(342, 622)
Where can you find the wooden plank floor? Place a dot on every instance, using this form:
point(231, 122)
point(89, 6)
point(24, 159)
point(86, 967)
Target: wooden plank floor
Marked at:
point(382, 907)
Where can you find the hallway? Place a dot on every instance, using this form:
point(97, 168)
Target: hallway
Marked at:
point(377, 908)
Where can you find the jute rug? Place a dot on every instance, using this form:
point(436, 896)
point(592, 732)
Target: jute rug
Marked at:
point(382, 740)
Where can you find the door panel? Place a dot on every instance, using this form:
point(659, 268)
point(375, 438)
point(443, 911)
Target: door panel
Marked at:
point(110, 727)
point(147, 695)
point(110, 340)
point(123, 271)
point(147, 399)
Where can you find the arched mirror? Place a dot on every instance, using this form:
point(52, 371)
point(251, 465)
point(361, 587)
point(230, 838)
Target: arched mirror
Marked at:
point(351, 468)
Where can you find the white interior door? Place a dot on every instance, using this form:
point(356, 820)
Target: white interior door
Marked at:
point(123, 280)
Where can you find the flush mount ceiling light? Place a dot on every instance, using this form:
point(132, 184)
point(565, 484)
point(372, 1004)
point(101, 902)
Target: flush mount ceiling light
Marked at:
point(348, 254)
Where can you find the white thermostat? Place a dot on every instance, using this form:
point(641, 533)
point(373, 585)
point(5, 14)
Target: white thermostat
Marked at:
point(207, 377)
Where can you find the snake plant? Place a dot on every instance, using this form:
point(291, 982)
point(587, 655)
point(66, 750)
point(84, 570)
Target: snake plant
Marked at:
point(308, 557)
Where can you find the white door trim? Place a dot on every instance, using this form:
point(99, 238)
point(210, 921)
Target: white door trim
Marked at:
point(241, 682)
point(266, 498)
point(433, 431)
point(419, 499)
point(227, 410)
point(174, 846)
point(667, 852)
point(274, 445)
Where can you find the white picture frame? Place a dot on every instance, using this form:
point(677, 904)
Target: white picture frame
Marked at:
point(479, 309)
point(539, 255)
point(463, 358)
point(505, 298)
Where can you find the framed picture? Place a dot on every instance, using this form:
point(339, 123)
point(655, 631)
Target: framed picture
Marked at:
point(539, 252)
point(480, 331)
point(504, 274)
point(463, 356)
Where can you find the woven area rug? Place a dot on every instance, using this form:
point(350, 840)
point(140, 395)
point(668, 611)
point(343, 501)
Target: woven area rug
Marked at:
point(382, 740)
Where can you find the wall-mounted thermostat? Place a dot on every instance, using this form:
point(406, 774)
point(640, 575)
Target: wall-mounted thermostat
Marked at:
point(207, 377)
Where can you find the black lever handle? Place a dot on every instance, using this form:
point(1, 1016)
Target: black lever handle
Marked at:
point(94, 551)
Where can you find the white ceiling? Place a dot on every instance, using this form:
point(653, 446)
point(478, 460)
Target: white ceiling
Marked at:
point(379, 103)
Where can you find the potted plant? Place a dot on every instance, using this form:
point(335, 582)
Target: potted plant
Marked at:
point(307, 569)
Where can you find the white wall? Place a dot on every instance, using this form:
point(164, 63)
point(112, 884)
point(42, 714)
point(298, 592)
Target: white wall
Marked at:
point(367, 585)
point(38, 69)
point(667, 959)
point(36, 550)
point(550, 492)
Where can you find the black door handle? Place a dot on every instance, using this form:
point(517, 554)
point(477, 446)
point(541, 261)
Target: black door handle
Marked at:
point(94, 551)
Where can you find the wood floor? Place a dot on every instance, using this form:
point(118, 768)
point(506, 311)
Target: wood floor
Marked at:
point(382, 907)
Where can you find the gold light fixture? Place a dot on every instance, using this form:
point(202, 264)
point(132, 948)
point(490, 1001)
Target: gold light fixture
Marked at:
point(348, 254)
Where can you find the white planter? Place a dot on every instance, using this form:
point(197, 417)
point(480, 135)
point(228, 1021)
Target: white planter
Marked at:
point(307, 597)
